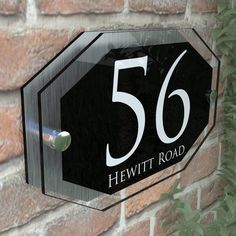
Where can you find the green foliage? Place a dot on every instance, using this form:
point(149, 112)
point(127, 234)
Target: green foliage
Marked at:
point(225, 225)
point(187, 221)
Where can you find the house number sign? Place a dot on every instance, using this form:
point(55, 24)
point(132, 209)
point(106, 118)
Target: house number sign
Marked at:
point(127, 104)
point(137, 107)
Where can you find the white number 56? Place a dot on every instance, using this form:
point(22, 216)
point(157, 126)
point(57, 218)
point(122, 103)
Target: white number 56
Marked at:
point(138, 109)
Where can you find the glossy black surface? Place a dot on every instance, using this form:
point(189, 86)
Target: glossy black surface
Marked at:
point(93, 120)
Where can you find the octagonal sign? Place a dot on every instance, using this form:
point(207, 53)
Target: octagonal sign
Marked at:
point(118, 110)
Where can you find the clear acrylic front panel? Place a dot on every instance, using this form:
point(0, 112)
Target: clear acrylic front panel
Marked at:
point(137, 105)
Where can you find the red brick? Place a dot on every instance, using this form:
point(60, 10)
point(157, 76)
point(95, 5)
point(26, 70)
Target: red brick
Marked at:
point(12, 7)
point(79, 6)
point(202, 6)
point(84, 223)
point(140, 5)
point(11, 140)
point(142, 200)
point(139, 229)
point(202, 165)
point(165, 213)
point(208, 217)
point(211, 193)
point(190, 197)
point(158, 7)
point(24, 53)
point(21, 202)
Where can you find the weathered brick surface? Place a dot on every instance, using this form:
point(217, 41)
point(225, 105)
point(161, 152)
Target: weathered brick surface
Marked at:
point(139, 5)
point(211, 192)
point(163, 214)
point(146, 198)
point(20, 203)
point(202, 165)
point(139, 229)
point(158, 7)
point(24, 53)
point(166, 213)
point(202, 6)
point(190, 197)
point(79, 6)
point(85, 222)
point(12, 7)
point(11, 140)
point(208, 217)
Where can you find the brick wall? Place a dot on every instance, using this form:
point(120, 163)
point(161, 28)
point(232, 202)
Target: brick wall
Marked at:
point(31, 32)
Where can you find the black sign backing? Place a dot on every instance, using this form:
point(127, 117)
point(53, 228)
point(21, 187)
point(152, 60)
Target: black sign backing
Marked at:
point(94, 120)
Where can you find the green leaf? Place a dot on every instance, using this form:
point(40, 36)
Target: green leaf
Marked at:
point(225, 39)
point(230, 12)
point(221, 7)
point(228, 70)
point(188, 220)
point(199, 230)
point(166, 196)
point(224, 49)
point(218, 32)
point(213, 96)
point(224, 231)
